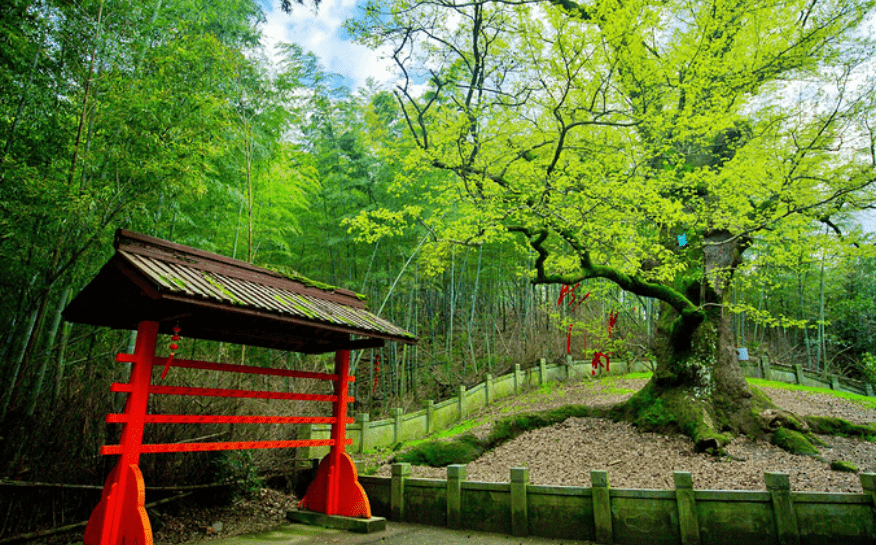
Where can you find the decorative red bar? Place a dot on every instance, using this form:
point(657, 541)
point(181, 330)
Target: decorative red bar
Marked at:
point(233, 368)
point(241, 445)
point(222, 419)
point(222, 392)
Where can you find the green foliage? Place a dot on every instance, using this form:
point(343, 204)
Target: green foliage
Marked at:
point(794, 442)
point(460, 450)
point(238, 469)
point(847, 467)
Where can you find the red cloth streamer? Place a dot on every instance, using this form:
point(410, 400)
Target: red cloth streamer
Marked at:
point(569, 341)
point(376, 371)
point(597, 362)
point(574, 302)
point(612, 319)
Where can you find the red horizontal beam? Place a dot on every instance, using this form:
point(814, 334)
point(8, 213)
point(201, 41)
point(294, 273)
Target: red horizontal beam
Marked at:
point(232, 368)
point(241, 445)
point(222, 392)
point(222, 419)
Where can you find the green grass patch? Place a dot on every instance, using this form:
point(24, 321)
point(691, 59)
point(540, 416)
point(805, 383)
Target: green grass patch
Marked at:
point(458, 429)
point(868, 402)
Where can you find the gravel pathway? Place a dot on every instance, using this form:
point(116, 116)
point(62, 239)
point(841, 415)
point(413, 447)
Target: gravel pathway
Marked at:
point(564, 454)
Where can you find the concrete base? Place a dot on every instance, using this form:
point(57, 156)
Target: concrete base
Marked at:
point(362, 526)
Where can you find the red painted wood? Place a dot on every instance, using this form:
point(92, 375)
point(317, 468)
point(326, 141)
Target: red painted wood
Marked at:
point(222, 392)
point(232, 368)
point(223, 419)
point(233, 445)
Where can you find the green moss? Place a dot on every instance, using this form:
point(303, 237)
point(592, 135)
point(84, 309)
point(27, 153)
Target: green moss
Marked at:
point(462, 450)
point(225, 291)
point(291, 274)
point(511, 427)
point(847, 467)
point(794, 442)
point(830, 425)
point(458, 429)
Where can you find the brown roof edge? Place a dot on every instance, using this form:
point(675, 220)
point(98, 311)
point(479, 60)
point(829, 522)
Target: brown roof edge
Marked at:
point(131, 241)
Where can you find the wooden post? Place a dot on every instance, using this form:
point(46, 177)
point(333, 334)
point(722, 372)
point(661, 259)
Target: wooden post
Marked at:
point(339, 430)
point(121, 514)
point(542, 371)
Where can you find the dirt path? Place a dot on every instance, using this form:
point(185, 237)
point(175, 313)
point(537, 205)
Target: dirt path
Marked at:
point(565, 454)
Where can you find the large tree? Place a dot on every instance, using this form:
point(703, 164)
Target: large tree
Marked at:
point(646, 143)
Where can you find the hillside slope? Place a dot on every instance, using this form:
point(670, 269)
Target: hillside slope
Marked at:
point(564, 454)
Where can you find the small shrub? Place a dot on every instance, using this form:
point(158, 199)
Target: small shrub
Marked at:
point(794, 442)
point(839, 465)
point(461, 450)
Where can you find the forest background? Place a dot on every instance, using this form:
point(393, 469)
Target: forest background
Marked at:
point(171, 119)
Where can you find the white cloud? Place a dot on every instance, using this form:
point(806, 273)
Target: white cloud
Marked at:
point(321, 32)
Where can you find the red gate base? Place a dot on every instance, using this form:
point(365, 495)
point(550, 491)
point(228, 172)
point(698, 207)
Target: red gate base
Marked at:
point(133, 523)
point(350, 497)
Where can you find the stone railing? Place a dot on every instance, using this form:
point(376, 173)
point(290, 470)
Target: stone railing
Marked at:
point(368, 435)
point(602, 514)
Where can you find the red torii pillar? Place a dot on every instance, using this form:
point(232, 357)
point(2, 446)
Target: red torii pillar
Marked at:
point(120, 518)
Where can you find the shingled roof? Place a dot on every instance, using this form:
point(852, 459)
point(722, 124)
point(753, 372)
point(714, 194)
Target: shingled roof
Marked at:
point(214, 297)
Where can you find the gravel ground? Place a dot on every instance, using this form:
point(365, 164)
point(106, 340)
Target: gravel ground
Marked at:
point(565, 454)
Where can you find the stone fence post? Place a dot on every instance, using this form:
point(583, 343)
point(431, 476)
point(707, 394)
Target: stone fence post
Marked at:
point(396, 425)
point(779, 487)
point(687, 509)
point(400, 472)
point(455, 477)
point(363, 419)
point(601, 506)
point(519, 515)
point(430, 416)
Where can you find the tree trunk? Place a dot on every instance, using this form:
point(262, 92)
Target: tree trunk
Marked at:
point(698, 386)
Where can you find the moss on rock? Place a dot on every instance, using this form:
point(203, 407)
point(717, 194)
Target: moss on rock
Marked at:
point(794, 442)
point(847, 467)
point(831, 425)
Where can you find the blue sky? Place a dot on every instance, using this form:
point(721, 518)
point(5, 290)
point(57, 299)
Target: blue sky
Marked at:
point(321, 32)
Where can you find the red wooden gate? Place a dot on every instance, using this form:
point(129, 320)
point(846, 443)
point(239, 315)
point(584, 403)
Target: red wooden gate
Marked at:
point(120, 517)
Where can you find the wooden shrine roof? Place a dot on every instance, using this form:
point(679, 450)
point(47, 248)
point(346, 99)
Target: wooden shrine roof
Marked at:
point(214, 297)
